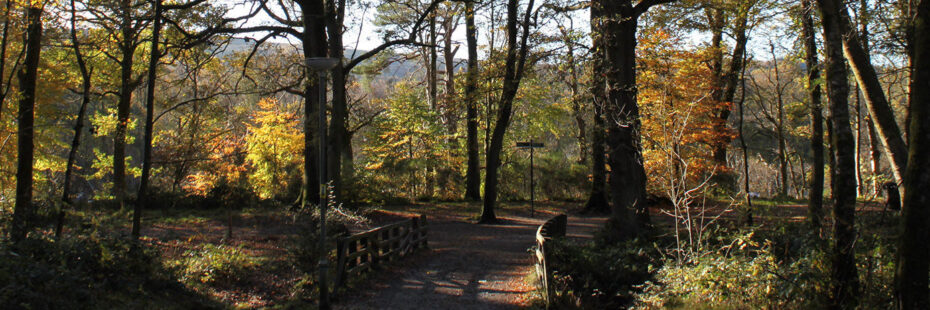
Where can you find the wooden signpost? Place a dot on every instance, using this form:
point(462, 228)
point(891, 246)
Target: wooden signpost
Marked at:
point(531, 145)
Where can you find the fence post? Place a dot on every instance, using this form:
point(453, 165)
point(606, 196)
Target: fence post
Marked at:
point(424, 227)
point(554, 227)
point(340, 262)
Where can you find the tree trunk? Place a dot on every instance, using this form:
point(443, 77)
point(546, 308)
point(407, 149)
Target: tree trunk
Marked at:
point(597, 201)
point(875, 154)
point(878, 105)
point(432, 94)
point(339, 161)
point(142, 200)
point(4, 42)
point(780, 129)
point(913, 255)
point(629, 211)
point(731, 81)
point(473, 171)
point(513, 74)
point(743, 146)
point(124, 105)
point(448, 111)
point(815, 203)
point(28, 78)
point(844, 274)
point(577, 109)
point(78, 125)
point(314, 39)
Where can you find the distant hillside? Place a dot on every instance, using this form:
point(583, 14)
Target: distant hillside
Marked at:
point(395, 70)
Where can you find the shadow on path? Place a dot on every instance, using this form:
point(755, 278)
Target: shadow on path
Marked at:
point(469, 266)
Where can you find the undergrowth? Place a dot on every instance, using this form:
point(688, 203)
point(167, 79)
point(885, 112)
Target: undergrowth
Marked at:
point(96, 272)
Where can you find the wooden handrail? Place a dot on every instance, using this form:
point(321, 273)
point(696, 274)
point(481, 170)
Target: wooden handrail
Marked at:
point(364, 251)
point(554, 227)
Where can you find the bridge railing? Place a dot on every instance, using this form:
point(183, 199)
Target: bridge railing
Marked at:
point(554, 227)
point(364, 251)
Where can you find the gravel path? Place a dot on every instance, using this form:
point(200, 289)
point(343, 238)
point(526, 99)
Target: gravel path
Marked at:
point(468, 266)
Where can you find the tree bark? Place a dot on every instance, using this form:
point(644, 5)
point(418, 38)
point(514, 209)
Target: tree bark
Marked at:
point(911, 278)
point(78, 124)
point(127, 85)
point(4, 42)
point(878, 105)
point(513, 74)
point(339, 160)
point(815, 199)
point(432, 94)
point(780, 128)
point(577, 109)
point(875, 155)
point(449, 113)
point(28, 80)
point(844, 274)
point(597, 201)
point(142, 199)
point(314, 45)
point(473, 171)
point(730, 81)
point(629, 211)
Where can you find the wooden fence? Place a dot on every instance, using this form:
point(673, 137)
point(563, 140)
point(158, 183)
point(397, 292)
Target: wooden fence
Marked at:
point(554, 227)
point(363, 251)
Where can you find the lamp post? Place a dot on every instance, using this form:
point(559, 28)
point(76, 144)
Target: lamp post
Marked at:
point(321, 65)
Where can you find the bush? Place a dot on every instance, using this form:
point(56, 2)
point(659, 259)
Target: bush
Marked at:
point(215, 265)
point(783, 267)
point(89, 273)
point(598, 276)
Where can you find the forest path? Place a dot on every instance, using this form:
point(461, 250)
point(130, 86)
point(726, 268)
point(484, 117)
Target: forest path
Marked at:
point(468, 266)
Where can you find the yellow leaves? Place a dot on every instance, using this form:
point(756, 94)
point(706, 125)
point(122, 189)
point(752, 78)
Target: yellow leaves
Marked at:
point(274, 146)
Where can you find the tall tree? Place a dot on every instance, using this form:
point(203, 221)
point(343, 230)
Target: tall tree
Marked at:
point(597, 199)
point(28, 80)
point(880, 109)
point(629, 211)
point(142, 199)
point(815, 200)
point(313, 38)
point(4, 43)
point(78, 124)
point(473, 170)
point(339, 158)
point(727, 81)
point(913, 255)
point(130, 29)
point(844, 274)
point(515, 63)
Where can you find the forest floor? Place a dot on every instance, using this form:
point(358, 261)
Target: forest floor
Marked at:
point(468, 266)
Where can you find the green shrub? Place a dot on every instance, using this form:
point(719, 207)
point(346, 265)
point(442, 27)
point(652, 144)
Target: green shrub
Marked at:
point(89, 273)
point(215, 265)
point(598, 276)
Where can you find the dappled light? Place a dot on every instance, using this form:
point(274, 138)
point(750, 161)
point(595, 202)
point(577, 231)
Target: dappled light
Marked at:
point(464, 154)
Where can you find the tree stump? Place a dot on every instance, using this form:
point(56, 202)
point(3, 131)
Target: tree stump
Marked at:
point(892, 196)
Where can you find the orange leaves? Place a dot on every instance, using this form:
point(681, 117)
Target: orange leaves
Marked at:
point(678, 113)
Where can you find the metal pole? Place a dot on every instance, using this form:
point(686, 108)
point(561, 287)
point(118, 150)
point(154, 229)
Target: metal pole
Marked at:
point(532, 183)
point(324, 261)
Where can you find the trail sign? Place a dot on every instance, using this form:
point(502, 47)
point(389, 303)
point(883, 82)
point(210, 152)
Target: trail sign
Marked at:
point(531, 145)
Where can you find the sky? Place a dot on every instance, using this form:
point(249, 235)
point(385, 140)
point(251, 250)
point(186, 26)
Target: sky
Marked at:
point(361, 32)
